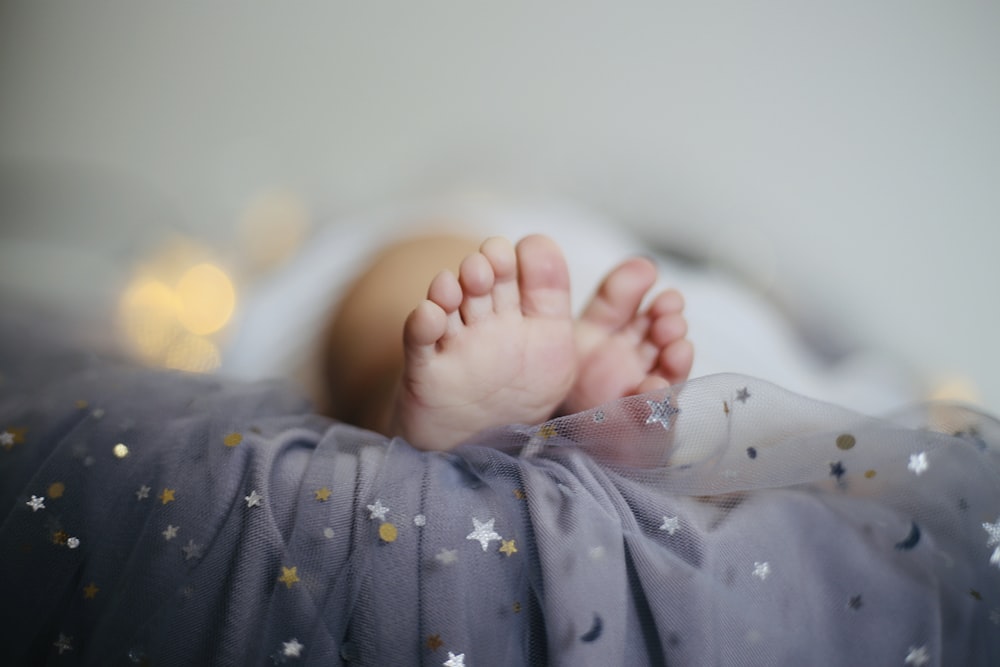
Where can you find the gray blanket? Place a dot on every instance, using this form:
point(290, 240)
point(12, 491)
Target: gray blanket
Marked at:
point(168, 519)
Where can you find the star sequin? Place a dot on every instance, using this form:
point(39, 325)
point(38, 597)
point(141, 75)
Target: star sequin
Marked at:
point(670, 524)
point(742, 395)
point(143, 492)
point(993, 530)
point(434, 642)
point(761, 570)
point(837, 470)
point(64, 643)
point(322, 495)
point(193, 550)
point(420, 520)
point(507, 547)
point(855, 602)
point(447, 556)
point(73, 542)
point(90, 591)
point(289, 576)
point(378, 510)
point(36, 503)
point(917, 656)
point(455, 660)
point(918, 463)
point(661, 413)
point(166, 496)
point(519, 494)
point(171, 532)
point(292, 648)
point(6, 440)
point(253, 500)
point(483, 533)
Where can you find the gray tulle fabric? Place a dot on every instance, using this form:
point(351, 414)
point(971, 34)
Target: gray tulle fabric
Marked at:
point(165, 519)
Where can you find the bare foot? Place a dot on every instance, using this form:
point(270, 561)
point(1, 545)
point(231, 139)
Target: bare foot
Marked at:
point(493, 347)
point(623, 351)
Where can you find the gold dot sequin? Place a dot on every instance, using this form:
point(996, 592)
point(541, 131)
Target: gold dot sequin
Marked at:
point(289, 576)
point(90, 592)
point(60, 537)
point(845, 441)
point(120, 451)
point(56, 489)
point(547, 431)
point(516, 607)
point(869, 474)
point(434, 642)
point(81, 405)
point(519, 494)
point(388, 532)
point(233, 439)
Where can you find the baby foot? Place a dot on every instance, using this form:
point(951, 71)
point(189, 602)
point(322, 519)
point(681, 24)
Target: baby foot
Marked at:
point(624, 351)
point(493, 347)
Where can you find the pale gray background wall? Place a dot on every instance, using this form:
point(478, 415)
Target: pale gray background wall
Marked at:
point(845, 153)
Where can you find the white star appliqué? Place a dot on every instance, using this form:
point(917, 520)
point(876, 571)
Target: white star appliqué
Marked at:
point(143, 492)
point(670, 524)
point(6, 439)
point(171, 532)
point(918, 463)
point(447, 556)
point(661, 412)
point(483, 533)
point(64, 643)
point(761, 570)
point(253, 500)
point(378, 510)
point(917, 656)
point(455, 660)
point(192, 550)
point(993, 530)
point(36, 503)
point(292, 648)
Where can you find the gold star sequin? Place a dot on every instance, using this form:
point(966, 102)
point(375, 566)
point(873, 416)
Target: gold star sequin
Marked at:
point(508, 548)
point(166, 496)
point(233, 439)
point(323, 494)
point(516, 607)
point(81, 405)
point(869, 474)
point(90, 592)
point(387, 532)
point(434, 642)
point(289, 575)
point(56, 489)
point(60, 537)
point(547, 431)
point(845, 441)
point(519, 494)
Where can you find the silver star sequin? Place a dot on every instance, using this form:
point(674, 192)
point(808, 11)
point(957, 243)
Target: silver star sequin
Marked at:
point(253, 500)
point(64, 643)
point(292, 648)
point(670, 524)
point(917, 656)
point(192, 550)
point(73, 542)
point(6, 439)
point(143, 492)
point(36, 503)
point(918, 463)
point(761, 570)
point(742, 395)
point(378, 510)
point(171, 532)
point(661, 412)
point(420, 520)
point(993, 530)
point(447, 556)
point(455, 660)
point(483, 533)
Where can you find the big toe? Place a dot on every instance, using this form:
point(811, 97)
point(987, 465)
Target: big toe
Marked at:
point(620, 295)
point(543, 278)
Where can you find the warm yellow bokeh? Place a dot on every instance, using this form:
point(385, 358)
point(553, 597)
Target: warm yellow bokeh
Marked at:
point(206, 299)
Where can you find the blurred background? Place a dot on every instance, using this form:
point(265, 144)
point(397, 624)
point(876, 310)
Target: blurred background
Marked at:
point(169, 171)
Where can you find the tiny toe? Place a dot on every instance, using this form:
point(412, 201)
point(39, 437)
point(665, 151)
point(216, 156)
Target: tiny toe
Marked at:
point(425, 325)
point(503, 259)
point(667, 302)
point(476, 279)
point(446, 292)
point(619, 296)
point(676, 360)
point(667, 329)
point(543, 278)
